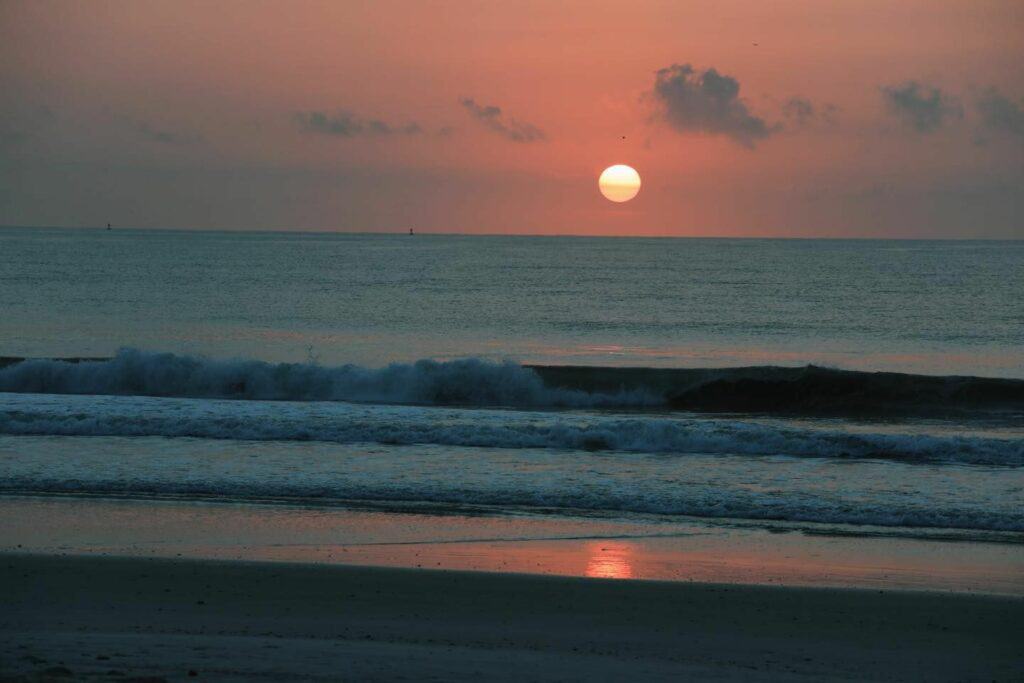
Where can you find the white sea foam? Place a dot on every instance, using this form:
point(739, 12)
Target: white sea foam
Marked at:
point(329, 474)
point(41, 414)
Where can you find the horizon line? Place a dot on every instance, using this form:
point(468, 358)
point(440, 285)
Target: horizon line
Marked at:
point(431, 233)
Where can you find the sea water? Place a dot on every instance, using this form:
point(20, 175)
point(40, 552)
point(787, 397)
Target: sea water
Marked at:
point(339, 369)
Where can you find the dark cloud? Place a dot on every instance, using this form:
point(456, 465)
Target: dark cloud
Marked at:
point(167, 137)
point(707, 102)
point(800, 112)
point(347, 125)
point(923, 108)
point(507, 127)
point(999, 113)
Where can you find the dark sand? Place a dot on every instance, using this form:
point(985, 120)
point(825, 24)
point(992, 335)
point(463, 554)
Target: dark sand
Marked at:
point(273, 621)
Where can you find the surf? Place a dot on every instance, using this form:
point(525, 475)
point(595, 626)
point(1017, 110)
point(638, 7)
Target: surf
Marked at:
point(613, 432)
point(808, 390)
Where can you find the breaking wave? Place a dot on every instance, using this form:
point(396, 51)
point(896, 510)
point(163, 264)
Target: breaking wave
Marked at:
point(469, 382)
point(806, 390)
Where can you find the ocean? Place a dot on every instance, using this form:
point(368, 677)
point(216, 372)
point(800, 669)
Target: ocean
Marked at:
point(348, 370)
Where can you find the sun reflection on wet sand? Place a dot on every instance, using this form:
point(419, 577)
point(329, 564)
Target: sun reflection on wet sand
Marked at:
point(554, 546)
point(610, 561)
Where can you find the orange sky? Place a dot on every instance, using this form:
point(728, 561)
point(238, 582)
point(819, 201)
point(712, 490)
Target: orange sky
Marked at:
point(375, 116)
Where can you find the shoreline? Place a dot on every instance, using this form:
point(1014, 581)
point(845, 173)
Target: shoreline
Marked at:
point(95, 618)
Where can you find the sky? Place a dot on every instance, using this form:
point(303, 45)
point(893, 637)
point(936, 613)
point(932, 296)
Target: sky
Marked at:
point(743, 117)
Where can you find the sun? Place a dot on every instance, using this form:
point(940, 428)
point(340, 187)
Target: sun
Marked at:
point(619, 183)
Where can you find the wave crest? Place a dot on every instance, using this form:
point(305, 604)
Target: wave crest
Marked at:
point(809, 390)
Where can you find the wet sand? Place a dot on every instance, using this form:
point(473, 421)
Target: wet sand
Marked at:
point(638, 547)
point(116, 618)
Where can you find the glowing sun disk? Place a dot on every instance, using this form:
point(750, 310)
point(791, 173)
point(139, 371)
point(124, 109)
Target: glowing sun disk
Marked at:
point(619, 183)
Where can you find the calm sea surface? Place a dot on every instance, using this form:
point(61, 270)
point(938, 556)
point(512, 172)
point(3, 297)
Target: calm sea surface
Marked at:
point(927, 307)
point(201, 324)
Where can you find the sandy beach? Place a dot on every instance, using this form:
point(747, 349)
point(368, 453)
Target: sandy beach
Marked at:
point(116, 618)
point(146, 590)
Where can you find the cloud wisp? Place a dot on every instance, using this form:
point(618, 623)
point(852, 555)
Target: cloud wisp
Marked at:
point(165, 136)
point(921, 107)
point(999, 113)
point(509, 128)
point(707, 102)
point(800, 112)
point(345, 124)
